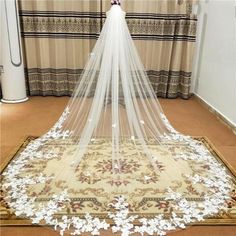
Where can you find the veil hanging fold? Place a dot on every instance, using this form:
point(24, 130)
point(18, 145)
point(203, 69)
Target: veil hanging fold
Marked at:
point(112, 152)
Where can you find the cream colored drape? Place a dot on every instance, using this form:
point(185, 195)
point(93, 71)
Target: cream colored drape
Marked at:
point(59, 35)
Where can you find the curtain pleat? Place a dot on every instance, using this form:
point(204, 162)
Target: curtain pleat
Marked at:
point(59, 35)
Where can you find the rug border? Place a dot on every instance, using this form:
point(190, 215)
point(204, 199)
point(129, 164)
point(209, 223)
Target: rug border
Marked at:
point(209, 222)
point(15, 150)
point(220, 156)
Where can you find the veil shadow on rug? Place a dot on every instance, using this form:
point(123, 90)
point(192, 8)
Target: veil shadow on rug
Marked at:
point(114, 157)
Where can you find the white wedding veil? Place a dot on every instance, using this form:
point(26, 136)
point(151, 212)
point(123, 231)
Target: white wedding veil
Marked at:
point(114, 114)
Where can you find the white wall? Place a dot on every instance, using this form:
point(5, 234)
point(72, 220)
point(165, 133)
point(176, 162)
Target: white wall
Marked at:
point(214, 69)
point(1, 15)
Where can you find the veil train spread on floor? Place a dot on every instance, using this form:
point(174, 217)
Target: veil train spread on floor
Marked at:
point(114, 144)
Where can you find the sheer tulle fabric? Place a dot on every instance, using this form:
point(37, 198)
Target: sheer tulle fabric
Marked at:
point(114, 98)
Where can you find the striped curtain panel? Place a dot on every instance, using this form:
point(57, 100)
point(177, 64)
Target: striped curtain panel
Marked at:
point(58, 37)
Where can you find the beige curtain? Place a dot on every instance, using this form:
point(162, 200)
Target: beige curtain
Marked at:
point(59, 35)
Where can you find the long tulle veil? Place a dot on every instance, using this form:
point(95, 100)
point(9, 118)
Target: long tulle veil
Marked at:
point(115, 122)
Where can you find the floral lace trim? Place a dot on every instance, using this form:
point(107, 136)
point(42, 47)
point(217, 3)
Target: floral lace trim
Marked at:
point(18, 199)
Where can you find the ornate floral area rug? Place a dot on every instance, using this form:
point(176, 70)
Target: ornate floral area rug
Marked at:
point(98, 183)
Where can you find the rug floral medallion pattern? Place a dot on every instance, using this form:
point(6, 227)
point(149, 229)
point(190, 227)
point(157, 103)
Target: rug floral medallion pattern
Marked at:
point(93, 185)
